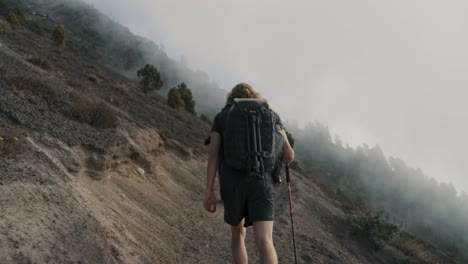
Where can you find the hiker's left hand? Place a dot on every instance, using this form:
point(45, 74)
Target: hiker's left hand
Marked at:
point(210, 202)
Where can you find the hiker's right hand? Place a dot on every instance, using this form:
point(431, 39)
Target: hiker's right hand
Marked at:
point(210, 202)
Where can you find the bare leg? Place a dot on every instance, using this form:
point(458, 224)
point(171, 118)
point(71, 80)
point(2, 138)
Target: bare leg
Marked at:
point(239, 252)
point(263, 231)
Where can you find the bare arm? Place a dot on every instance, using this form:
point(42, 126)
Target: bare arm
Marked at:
point(288, 152)
point(210, 200)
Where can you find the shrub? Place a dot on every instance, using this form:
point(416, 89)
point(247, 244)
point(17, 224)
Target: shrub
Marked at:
point(59, 36)
point(375, 226)
point(59, 74)
point(187, 97)
point(35, 89)
point(40, 62)
point(86, 108)
point(181, 98)
point(11, 144)
point(16, 17)
point(151, 78)
point(121, 88)
point(4, 26)
point(19, 14)
point(174, 100)
point(13, 19)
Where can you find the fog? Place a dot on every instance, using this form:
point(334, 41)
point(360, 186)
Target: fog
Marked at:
point(392, 73)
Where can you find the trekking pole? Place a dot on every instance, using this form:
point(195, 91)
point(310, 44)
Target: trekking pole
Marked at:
point(288, 180)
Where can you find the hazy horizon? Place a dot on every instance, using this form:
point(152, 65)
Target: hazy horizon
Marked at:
point(387, 73)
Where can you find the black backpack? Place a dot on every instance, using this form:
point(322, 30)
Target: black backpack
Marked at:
point(252, 139)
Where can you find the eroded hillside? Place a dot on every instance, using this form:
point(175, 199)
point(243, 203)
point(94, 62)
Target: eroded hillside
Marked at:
point(101, 173)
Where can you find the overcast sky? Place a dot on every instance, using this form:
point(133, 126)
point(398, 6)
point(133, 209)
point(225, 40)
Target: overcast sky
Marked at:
point(393, 73)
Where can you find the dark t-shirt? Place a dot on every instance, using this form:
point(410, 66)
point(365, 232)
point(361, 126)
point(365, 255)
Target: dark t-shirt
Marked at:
point(228, 174)
point(243, 196)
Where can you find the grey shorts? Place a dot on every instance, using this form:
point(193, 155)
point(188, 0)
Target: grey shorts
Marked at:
point(252, 199)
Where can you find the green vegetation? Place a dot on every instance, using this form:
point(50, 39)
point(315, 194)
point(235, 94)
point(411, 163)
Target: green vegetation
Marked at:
point(375, 227)
point(12, 19)
point(181, 98)
point(16, 18)
point(431, 210)
point(151, 78)
point(59, 36)
point(187, 97)
point(174, 99)
point(4, 26)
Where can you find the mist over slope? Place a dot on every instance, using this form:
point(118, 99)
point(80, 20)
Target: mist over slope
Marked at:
point(432, 210)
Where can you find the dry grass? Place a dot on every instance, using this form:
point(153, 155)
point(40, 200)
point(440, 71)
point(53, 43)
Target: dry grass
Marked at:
point(39, 62)
point(86, 108)
point(34, 90)
point(11, 144)
point(121, 88)
point(59, 74)
point(4, 26)
point(413, 248)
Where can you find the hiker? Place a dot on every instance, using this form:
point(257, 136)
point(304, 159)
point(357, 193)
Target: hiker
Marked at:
point(248, 200)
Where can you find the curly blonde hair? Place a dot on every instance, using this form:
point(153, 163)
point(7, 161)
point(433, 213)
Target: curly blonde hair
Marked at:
point(242, 90)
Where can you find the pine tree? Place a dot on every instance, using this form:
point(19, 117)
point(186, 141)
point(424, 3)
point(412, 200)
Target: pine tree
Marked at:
point(174, 99)
point(187, 97)
point(151, 78)
point(59, 36)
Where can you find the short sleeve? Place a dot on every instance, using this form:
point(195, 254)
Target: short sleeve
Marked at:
point(278, 120)
point(217, 124)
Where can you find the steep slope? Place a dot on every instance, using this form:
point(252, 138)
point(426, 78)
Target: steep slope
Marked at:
point(98, 37)
point(74, 192)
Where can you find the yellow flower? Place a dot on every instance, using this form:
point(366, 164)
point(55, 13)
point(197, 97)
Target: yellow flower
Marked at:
point(1, 138)
point(15, 138)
